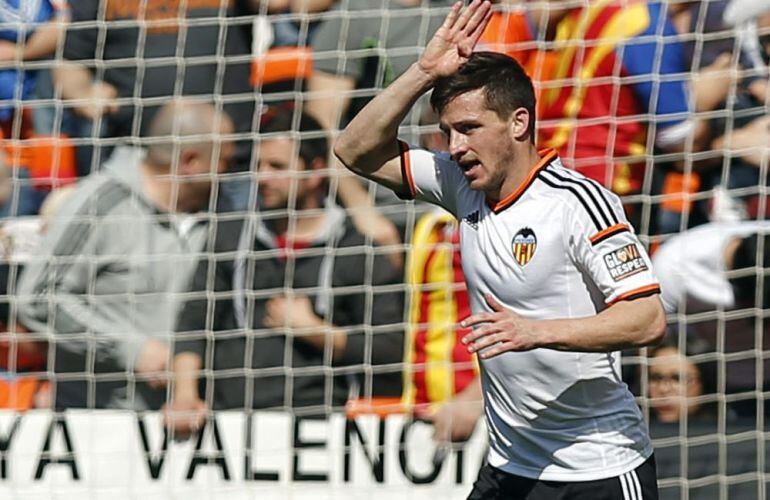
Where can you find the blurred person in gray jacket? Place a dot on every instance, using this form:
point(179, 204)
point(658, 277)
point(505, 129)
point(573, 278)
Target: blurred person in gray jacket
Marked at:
point(291, 310)
point(104, 286)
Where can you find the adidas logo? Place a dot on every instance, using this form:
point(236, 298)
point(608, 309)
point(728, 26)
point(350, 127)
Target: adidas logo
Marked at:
point(472, 219)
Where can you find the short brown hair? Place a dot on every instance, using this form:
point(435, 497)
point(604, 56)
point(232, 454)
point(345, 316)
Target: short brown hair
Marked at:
point(506, 86)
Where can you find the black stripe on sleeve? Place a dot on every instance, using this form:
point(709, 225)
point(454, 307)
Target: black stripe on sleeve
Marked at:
point(603, 210)
point(577, 194)
point(602, 193)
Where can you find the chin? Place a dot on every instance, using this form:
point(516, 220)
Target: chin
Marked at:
point(477, 184)
point(268, 205)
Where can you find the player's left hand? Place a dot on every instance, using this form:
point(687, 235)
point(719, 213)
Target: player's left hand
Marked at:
point(501, 331)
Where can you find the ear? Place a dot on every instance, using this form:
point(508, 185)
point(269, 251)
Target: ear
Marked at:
point(188, 159)
point(520, 120)
point(316, 166)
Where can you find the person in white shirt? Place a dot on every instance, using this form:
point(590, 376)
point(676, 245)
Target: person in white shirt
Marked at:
point(557, 279)
point(696, 264)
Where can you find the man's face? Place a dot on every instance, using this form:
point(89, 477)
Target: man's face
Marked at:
point(479, 141)
point(283, 178)
point(202, 165)
point(674, 381)
point(212, 161)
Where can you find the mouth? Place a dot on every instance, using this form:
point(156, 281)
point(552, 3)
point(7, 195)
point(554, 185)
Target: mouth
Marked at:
point(470, 168)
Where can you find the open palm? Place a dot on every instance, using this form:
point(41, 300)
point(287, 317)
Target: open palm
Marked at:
point(453, 43)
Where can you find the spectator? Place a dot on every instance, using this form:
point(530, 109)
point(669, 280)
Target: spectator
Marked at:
point(750, 143)
point(100, 70)
point(441, 377)
point(290, 297)
point(598, 121)
point(24, 384)
point(104, 286)
point(693, 444)
point(713, 50)
point(442, 384)
point(17, 198)
point(697, 264)
point(677, 381)
point(733, 95)
point(717, 266)
point(22, 355)
point(30, 30)
point(745, 137)
point(353, 52)
point(294, 31)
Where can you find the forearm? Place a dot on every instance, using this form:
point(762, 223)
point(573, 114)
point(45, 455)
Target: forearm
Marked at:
point(624, 325)
point(75, 80)
point(187, 366)
point(374, 130)
point(328, 98)
point(471, 393)
point(43, 42)
point(303, 6)
point(327, 334)
point(742, 143)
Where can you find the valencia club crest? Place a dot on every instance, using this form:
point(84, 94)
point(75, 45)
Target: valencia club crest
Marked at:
point(524, 245)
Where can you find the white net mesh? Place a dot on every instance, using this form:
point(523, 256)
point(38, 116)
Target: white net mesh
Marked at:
point(212, 266)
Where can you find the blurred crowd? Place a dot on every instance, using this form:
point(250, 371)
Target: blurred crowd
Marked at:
point(177, 235)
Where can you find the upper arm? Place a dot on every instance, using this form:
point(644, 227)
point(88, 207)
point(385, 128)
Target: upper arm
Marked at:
point(411, 173)
point(603, 244)
point(386, 165)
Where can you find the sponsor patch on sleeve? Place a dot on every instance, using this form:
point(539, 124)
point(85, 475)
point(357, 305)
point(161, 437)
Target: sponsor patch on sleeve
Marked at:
point(624, 262)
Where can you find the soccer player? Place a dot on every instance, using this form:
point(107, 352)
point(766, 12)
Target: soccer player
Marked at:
point(558, 281)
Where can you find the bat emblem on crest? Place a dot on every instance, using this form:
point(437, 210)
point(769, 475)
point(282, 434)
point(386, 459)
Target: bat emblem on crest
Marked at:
point(524, 245)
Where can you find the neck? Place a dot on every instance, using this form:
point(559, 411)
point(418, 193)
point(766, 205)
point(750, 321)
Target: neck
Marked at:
point(307, 223)
point(519, 168)
point(159, 189)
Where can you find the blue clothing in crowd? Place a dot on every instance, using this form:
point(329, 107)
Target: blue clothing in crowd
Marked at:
point(18, 21)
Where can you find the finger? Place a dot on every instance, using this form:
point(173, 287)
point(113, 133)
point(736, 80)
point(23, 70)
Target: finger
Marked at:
point(273, 309)
point(476, 35)
point(440, 431)
point(478, 333)
point(451, 18)
point(478, 17)
point(498, 349)
point(269, 321)
point(493, 303)
point(157, 383)
point(484, 317)
point(487, 340)
point(465, 17)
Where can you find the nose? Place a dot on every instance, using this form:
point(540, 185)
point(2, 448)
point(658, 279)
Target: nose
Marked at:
point(458, 144)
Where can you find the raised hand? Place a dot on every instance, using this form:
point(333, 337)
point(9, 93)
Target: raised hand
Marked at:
point(453, 43)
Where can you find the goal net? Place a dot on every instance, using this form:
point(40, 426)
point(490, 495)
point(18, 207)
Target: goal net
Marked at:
point(199, 302)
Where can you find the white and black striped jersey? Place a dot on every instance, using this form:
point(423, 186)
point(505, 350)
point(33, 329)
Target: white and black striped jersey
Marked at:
point(558, 247)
